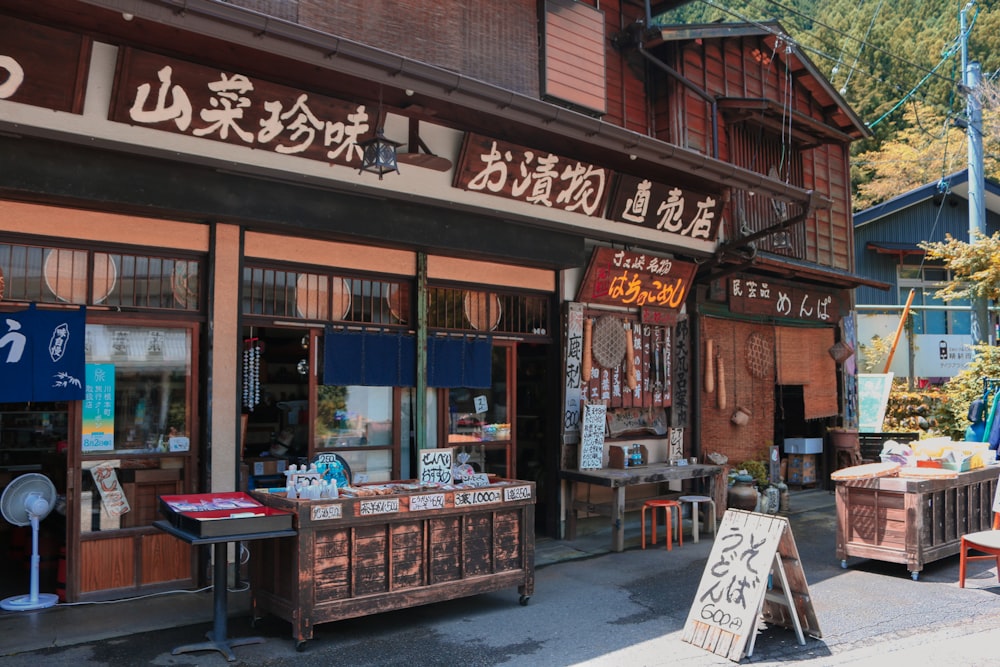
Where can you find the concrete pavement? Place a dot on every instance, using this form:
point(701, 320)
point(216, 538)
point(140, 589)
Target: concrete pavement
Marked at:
point(590, 607)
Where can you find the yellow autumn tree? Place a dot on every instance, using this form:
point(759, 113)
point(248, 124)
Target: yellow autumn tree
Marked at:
point(926, 149)
point(975, 266)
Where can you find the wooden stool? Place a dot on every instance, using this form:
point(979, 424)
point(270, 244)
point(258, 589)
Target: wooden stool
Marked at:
point(695, 500)
point(668, 507)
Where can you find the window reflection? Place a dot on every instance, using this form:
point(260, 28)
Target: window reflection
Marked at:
point(357, 418)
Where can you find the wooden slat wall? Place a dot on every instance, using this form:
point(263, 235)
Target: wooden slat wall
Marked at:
point(574, 54)
point(626, 90)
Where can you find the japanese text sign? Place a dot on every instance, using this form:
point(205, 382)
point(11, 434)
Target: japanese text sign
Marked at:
point(499, 168)
point(41, 65)
point(622, 278)
point(762, 296)
point(181, 97)
point(670, 209)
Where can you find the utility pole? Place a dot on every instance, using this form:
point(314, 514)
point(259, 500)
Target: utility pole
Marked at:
point(981, 330)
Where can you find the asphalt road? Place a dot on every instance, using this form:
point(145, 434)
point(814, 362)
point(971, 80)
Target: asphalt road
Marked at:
point(621, 609)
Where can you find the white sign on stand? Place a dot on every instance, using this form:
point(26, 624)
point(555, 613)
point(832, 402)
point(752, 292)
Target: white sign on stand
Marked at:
point(434, 466)
point(592, 436)
point(754, 572)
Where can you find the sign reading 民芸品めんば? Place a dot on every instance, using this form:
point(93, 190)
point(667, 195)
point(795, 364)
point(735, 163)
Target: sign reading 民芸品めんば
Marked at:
point(764, 296)
point(632, 279)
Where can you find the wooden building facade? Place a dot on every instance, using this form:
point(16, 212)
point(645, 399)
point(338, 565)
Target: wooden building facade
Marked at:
point(188, 170)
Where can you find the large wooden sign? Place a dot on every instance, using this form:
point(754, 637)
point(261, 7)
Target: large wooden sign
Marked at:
point(495, 167)
point(622, 278)
point(42, 66)
point(669, 209)
point(777, 298)
point(753, 572)
point(224, 105)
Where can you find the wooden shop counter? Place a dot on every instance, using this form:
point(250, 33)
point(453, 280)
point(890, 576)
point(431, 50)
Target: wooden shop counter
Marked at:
point(911, 520)
point(355, 556)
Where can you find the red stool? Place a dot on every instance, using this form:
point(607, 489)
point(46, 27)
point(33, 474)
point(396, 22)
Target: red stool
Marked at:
point(668, 507)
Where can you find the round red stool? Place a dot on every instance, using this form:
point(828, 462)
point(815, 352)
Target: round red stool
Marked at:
point(668, 507)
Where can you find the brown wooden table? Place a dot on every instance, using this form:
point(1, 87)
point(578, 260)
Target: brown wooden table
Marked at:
point(618, 479)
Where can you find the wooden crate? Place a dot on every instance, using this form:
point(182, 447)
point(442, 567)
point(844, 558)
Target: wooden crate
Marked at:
point(912, 521)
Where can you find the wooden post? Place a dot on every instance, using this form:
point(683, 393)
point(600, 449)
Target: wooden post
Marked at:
point(899, 331)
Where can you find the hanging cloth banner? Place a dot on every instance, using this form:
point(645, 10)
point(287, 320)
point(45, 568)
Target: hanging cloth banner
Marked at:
point(360, 358)
point(42, 355)
point(459, 362)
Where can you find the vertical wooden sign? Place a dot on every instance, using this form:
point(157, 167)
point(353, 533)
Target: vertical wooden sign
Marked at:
point(592, 436)
point(753, 572)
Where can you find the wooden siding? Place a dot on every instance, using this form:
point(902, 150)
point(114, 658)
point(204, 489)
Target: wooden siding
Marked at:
point(626, 76)
point(574, 54)
point(746, 67)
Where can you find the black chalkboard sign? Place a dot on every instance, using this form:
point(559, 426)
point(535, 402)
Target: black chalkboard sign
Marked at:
point(592, 436)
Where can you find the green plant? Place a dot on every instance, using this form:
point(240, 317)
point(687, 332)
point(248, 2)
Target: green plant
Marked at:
point(758, 470)
point(959, 391)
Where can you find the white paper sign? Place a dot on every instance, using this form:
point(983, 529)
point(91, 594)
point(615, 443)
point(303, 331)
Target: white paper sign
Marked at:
point(179, 444)
point(432, 501)
point(381, 506)
point(325, 512)
point(481, 497)
point(434, 466)
point(482, 405)
point(516, 493)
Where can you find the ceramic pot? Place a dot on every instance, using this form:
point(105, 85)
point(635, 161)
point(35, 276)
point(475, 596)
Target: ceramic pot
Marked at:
point(742, 494)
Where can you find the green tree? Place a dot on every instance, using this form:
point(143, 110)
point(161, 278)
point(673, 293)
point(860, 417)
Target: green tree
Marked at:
point(975, 266)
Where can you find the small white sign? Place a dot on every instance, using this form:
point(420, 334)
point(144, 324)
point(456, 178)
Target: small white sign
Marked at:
point(381, 506)
point(481, 404)
point(434, 466)
point(325, 512)
point(516, 493)
point(432, 501)
point(179, 443)
point(478, 480)
point(480, 497)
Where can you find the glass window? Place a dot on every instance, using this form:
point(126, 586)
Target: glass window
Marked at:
point(137, 390)
point(357, 422)
point(478, 421)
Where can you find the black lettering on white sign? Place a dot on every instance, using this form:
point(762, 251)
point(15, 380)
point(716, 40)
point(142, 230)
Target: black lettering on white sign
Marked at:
point(432, 501)
point(481, 497)
point(324, 512)
point(516, 493)
point(382, 506)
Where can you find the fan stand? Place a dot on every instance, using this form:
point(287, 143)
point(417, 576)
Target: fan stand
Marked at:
point(34, 600)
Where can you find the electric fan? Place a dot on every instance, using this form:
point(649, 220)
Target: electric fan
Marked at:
point(29, 499)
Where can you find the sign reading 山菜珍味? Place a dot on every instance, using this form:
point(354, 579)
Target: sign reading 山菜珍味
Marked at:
point(631, 279)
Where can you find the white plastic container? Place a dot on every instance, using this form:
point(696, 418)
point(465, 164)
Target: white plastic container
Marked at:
point(803, 445)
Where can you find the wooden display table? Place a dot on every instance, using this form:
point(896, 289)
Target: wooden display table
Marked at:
point(912, 521)
point(358, 556)
point(618, 479)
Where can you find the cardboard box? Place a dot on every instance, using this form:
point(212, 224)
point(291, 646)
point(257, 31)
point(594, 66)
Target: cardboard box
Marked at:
point(266, 466)
point(803, 445)
point(801, 469)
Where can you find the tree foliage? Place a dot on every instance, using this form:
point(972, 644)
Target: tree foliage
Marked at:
point(975, 266)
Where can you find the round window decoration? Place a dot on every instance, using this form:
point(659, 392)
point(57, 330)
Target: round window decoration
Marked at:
point(66, 275)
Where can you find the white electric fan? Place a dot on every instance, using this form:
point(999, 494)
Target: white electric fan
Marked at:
point(29, 499)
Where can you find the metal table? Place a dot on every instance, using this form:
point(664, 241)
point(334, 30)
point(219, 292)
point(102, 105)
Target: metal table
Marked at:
point(618, 479)
point(217, 640)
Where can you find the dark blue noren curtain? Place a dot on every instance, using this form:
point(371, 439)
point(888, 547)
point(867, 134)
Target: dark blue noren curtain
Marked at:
point(459, 362)
point(369, 359)
point(42, 355)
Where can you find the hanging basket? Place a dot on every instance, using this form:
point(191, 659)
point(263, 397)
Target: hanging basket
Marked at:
point(841, 352)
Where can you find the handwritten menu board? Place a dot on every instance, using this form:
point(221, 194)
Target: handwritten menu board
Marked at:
point(434, 466)
point(592, 436)
point(754, 555)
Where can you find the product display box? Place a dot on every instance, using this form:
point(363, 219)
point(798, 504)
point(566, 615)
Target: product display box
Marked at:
point(803, 445)
point(222, 514)
point(801, 469)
